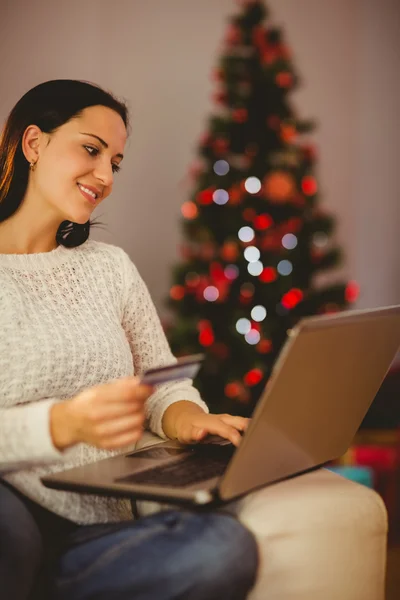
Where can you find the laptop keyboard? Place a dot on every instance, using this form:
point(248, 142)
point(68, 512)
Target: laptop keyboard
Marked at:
point(204, 463)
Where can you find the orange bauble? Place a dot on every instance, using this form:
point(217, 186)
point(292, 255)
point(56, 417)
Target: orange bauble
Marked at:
point(229, 251)
point(279, 186)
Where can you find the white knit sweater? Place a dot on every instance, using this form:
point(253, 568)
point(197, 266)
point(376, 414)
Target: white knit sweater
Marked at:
point(71, 319)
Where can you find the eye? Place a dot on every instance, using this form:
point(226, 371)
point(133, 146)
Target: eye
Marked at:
point(94, 152)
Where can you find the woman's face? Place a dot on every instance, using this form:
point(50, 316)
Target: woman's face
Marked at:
point(73, 157)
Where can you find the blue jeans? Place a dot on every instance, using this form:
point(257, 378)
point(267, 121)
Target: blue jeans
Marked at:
point(170, 555)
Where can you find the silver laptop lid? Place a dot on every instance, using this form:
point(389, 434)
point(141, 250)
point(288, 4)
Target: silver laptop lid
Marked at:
point(323, 383)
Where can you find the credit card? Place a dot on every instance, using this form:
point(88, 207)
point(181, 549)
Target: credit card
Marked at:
point(187, 366)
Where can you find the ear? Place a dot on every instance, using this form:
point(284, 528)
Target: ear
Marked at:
point(31, 142)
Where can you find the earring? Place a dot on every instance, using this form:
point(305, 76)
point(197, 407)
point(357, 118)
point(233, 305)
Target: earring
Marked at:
point(32, 165)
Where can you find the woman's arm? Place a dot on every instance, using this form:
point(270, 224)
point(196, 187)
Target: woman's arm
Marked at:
point(25, 435)
point(150, 348)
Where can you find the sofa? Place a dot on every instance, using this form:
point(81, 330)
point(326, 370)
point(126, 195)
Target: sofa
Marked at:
point(320, 536)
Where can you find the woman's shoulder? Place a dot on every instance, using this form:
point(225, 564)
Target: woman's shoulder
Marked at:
point(103, 249)
point(108, 254)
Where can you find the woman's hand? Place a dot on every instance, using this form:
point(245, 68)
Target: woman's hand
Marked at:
point(188, 423)
point(108, 416)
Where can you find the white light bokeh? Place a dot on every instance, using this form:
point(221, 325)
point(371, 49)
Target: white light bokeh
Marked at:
point(284, 267)
point(255, 268)
point(243, 326)
point(259, 313)
point(289, 241)
point(246, 234)
point(211, 293)
point(220, 197)
point(253, 337)
point(252, 254)
point(221, 167)
point(252, 185)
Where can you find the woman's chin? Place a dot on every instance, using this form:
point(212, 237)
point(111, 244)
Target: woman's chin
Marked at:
point(79, 218)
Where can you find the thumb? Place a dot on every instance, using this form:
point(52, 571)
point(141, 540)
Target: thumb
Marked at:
point(200, 433)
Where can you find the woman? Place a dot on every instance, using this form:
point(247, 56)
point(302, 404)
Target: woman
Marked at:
point(78, 327)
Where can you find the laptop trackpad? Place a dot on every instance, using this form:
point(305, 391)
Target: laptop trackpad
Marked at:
point(202, 463)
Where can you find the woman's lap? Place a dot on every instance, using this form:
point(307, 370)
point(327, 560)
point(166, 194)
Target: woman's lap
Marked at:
point(171, 554)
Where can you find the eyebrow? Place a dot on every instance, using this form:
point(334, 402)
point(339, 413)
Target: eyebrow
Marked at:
point(102, 142)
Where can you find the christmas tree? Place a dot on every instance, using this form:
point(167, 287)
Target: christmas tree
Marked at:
point(256, 237)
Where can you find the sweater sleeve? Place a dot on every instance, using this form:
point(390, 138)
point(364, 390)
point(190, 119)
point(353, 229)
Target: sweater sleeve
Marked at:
point(150, 348)
point(25, 437)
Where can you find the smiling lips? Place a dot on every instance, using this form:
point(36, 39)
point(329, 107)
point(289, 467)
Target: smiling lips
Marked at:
point(87, 193)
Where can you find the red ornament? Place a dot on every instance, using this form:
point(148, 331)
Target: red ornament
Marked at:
point(352, 291)
point(284, 79)
point(264, 346)
point(240, 115)
point(268, 275)
point(309, 185)
point(253, 377)
point(217, 272)
point(292, 298)
point(221, 146)
point(206, 337)
point(232, 390)
point(206, 196)
point(262, 222)
point(177, 292)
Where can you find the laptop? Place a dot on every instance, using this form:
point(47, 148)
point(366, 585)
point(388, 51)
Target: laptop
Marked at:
point(323, 382)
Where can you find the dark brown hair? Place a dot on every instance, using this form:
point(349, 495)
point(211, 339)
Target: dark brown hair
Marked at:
point(49, 105)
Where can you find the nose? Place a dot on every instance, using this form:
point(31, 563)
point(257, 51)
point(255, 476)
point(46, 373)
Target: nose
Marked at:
point(104, 173)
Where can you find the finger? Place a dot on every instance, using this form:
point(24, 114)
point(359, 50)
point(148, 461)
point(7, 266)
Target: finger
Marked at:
point(198, 434)
point(214, 425)
point(120, 426)
point(122, 440)
point(128, 389)
point(240, 423)
point(113, 410)
point(186, 435)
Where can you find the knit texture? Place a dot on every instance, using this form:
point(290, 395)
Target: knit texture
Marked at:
point(71, 319)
